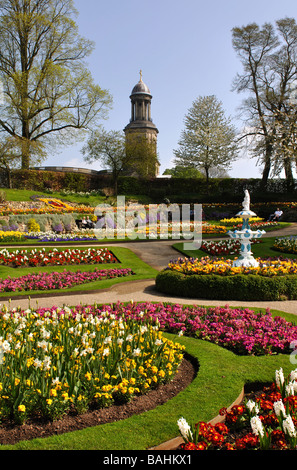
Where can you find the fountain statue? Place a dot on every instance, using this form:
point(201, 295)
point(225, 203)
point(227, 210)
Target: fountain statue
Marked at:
point(245, 235)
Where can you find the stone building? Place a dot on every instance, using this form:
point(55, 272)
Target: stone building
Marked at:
point(141, 124)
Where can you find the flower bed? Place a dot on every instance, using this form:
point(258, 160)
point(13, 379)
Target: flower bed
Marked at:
point(41, 257)
point(267, 422)
point(223, 247)
point(233, 221)
point(11, 236)
point(242, 331)
point(112, 352)
point(56, 280)
point(65, 361)
point(286, 244)
point(217, 279)
point(224, 267)
point(44, 237)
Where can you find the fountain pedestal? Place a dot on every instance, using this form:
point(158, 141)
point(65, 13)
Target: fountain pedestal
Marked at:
point(246, 235)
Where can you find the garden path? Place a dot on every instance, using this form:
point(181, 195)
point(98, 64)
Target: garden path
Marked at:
point(156, 254)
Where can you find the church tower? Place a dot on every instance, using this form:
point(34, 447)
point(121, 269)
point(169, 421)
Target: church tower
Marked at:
point(141, 124)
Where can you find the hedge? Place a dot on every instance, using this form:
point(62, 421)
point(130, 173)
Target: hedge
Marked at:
point(237, 287)
point(180, 190)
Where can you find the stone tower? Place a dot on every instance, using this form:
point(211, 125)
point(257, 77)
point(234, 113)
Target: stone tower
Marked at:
point(141, 123)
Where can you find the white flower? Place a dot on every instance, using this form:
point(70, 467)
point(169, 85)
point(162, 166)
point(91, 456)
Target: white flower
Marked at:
point(136, 352)
point(47, 363)
point(158, 342)
point(106, 352)
point(290, 390)
point(43, 345)
point(185, 429)
point(288, 427)
point(293, 375)
point(279, 377)
point(279, 408)
point(5, 346)
point(257, 426)
point(252, 406)
point(37, 363)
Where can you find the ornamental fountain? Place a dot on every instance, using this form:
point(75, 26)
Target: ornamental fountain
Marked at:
point(245, 235)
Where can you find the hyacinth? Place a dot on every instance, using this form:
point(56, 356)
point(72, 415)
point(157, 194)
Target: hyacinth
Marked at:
point(252, 407)
point(257, 426)
point(279, 408)
point(288, 426)
point(185, 429)
point(279, 377)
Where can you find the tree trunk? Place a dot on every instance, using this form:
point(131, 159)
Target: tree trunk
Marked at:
point(289, 174)
point(25, 148)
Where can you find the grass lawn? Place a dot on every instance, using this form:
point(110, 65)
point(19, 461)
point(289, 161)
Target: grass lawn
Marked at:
point(127, 260)
point(219, 381)
point(260, 250)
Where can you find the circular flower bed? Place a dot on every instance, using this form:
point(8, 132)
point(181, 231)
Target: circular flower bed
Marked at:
point(273, 279)
point(266, 422)
point(242, 331)
point(65, 360)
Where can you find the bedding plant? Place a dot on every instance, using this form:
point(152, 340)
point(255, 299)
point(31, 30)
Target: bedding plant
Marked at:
point(266, 421)
point(61, 360)
point(95, 355)
point(43, 257)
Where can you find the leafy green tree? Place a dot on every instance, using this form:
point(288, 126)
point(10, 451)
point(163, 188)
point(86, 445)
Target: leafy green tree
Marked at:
point(108, 148)
point(209, 138)
point(268, 56)
point(49, 95)
point(183, 172)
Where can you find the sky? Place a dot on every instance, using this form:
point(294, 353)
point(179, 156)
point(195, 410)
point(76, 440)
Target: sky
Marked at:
point(184, 49)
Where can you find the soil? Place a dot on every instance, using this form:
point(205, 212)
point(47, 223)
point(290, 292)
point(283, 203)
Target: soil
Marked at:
point(11, 433)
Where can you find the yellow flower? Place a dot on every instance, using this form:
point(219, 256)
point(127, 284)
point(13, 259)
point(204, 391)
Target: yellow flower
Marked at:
point(21, 408)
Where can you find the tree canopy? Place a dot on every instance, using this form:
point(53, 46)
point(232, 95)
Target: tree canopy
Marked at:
point(208, 139)
point(48, 90)
point(268, 55)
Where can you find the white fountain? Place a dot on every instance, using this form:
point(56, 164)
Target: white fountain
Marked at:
point(245, 235)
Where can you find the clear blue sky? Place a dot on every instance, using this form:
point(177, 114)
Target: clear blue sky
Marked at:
point(184, 49)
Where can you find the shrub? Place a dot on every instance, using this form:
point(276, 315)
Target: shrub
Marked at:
point(33, 226)
point(216, 287)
